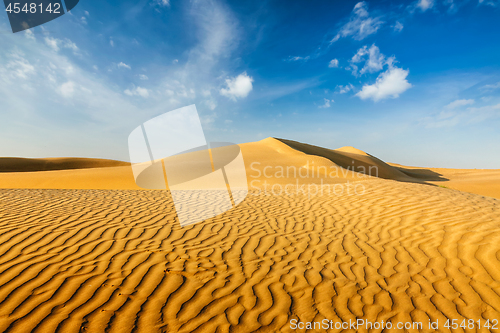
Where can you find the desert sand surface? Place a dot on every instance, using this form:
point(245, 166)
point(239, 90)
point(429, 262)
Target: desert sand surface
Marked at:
point(115, 259)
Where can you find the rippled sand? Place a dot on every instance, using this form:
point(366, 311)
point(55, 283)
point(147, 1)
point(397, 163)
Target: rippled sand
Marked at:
point(118, 260)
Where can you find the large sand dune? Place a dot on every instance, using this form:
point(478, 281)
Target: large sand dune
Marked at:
point(117, 260)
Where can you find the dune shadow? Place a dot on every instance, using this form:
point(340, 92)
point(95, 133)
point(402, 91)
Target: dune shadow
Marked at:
point(364, 161)
point(423, 174)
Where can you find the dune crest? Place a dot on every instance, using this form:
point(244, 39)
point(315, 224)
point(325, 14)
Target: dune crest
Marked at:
point(350, 149)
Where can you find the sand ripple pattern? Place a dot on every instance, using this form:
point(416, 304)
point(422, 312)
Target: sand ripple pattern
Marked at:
point(118, 261)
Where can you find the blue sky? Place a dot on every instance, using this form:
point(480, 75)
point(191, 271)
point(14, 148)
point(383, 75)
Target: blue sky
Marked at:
point(416, 82)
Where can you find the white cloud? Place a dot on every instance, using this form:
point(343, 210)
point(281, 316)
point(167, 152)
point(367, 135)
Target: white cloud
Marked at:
point(297, 58)
point(29, 34)
point(492, 3)
point(345, 89)
point(398, 26)
point(55, 44)
point(425, 4)
point(143, 77)
point(389, 84)
point(360, 25)
point(238, 87)
point(373, 63)
point(443, 119)
point(375, 60)
point(327, 103)
point(52, 43)
point(450, 118)
point(490, 87)
point(334, 63)
point(459, 103)
point(86, 13)
point(70, 45)
point(163, 3)
point(484, 113)
point(111, 43)
point(84, 20)
point(66, 89)
point(211, 104)
point(138, 91)
point(123, 65)
point(19, 67)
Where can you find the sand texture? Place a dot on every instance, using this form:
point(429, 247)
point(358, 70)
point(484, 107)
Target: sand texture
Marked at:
point(117, 260)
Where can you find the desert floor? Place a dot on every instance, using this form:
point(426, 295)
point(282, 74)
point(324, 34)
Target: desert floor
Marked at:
point(115, 259)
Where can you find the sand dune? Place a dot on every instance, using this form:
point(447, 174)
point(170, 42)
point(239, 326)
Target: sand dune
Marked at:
point(116, 259)
point(18, 164)
point(352, 158)
point(103, 174)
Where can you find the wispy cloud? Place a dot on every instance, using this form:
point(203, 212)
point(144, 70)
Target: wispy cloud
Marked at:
point(492, 3)
point(334, 63)
point(123, 65)
point(163, 3)
point(360, 24)
point(297, 58)
point(490, 87)
point(345, 89)
point(137, 91)
point(327, 103)
point(56, 44)
point(471, 115)
point(373, 63)
point(398, 26)
point(458, 103)
point(425, 4)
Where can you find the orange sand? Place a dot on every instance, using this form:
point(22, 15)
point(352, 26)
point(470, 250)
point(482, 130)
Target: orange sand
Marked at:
point(115, 259)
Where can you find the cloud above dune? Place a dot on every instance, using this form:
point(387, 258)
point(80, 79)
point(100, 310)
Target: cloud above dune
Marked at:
point(398, 26)
point(238, 87)
point(327, 103)
point(492, 3)
point(490, 87)
point(334, 63)
point(360, 24)
point(374, 60)
point(137, 91)
point(123, 65)
point(389, 84)
point(67, 89)
point(458, 103)
point(345, 89)
point(425, 4)
point(56, 44)
point(471, 115)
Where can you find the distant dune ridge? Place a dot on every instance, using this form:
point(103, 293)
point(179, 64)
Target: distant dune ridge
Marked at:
point(85, 250)
point(18, 164)
point(85, 173)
